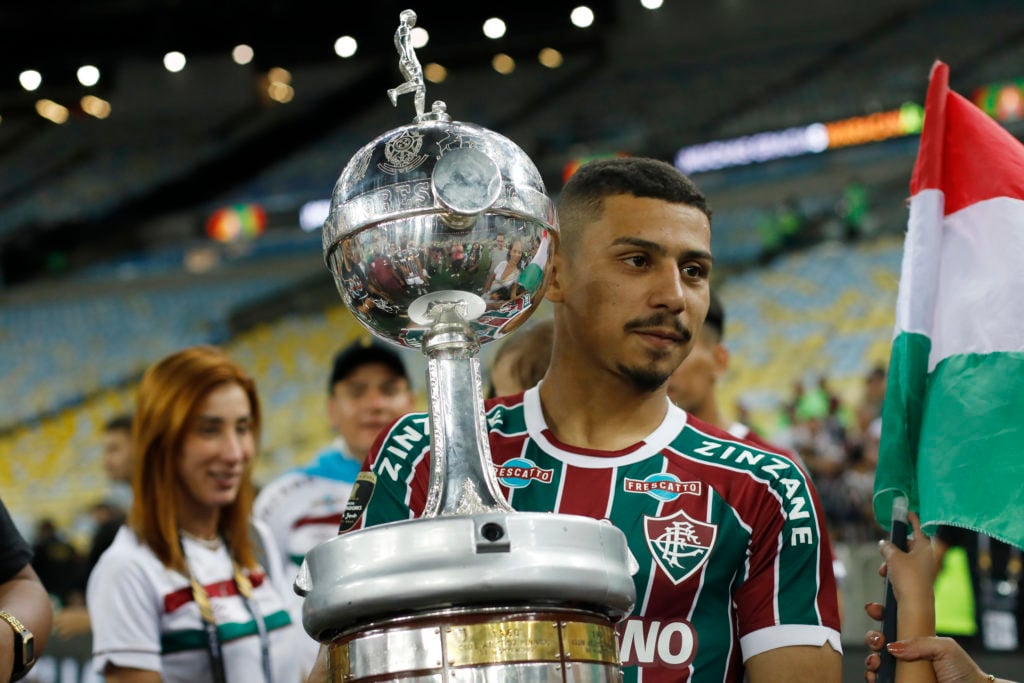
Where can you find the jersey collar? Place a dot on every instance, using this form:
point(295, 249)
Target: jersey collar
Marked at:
point(674, 421)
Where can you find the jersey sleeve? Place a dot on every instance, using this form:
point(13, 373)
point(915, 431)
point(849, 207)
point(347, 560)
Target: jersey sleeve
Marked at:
point(789, 596)
point(125, 612)
point(392, 484)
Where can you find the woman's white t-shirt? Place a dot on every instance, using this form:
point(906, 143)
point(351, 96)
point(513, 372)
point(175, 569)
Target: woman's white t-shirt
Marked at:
point(143, 615)
point(498, 283)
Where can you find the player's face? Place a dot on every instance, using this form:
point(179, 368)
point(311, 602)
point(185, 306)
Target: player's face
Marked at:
point(691, 385)
point(217, 451)
point(636, 289)
point(367, 400)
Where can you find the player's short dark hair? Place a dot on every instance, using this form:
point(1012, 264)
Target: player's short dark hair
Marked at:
point(581, 200)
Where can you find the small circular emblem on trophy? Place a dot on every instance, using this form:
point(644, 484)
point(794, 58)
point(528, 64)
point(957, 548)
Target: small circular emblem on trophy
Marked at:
point(466, 181)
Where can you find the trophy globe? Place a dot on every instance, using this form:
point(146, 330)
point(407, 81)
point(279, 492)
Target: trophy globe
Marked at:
point(415, 217)
point(471, 590)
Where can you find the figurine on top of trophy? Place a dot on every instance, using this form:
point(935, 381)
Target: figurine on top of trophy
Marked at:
point(408, 63)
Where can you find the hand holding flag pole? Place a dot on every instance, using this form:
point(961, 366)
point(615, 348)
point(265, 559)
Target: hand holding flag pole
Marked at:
point(898, 537)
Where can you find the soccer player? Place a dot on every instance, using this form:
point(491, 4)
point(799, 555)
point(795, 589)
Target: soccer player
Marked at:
point(735, 580)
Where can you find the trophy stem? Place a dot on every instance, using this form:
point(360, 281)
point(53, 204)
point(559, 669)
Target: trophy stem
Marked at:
point(462, 480)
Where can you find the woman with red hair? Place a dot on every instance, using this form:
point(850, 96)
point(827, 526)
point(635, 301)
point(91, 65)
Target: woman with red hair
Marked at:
point(187, 590)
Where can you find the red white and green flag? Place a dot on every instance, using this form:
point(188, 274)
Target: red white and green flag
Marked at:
point(953, 418)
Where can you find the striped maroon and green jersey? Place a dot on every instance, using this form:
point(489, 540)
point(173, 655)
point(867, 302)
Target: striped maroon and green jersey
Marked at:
point(733, 550)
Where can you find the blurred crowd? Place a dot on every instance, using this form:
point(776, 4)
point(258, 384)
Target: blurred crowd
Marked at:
point(838, 443)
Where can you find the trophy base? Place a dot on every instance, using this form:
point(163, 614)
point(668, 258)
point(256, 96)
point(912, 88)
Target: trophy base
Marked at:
point(548, 561)
point(480, 645)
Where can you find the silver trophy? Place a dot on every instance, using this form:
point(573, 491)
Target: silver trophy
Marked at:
point(472, 590)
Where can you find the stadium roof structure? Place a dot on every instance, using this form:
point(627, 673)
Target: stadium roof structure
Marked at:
point(639, 81)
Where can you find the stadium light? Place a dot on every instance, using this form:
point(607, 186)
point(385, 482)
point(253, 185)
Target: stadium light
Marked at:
point(503, 64)
point(30, 79)
point(345, 46)
point(174, 61)
point(435, 73)
point(494, 28)
point(95, 106)
point(242, 54)
point(52, 111)
point(88, 75)
point(550, 57)
point(582, 17)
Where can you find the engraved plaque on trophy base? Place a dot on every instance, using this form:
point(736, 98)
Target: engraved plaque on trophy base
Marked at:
point(499, 645)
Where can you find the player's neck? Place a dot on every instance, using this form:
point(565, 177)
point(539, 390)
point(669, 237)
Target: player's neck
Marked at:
point(599, 413)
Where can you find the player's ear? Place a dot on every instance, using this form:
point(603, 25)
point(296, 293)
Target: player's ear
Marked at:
point(554, 291)
point(721, 356)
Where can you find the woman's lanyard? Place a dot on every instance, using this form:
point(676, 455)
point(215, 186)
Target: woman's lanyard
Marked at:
point(216, 652)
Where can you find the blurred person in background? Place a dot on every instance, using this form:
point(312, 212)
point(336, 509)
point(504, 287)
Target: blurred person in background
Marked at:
point(497, 251)
point(55, 561)
point(108, 516)
point(117, 459)
point(25, 608)
point(870, 406)
point(816, 433)
point(368, 388)
point(855, 522)
point(853, 209)
point(693, 386)
point(192, 589)
point(521, 359)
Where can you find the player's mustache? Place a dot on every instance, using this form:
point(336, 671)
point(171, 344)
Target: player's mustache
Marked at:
point(662, 320)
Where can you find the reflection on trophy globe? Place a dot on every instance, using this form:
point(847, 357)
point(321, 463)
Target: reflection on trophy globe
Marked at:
point(418, 216)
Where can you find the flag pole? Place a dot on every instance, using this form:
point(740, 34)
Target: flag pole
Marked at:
point(898, 537)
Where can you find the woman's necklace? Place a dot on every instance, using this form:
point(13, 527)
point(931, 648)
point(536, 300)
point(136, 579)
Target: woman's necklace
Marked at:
point(208, 543)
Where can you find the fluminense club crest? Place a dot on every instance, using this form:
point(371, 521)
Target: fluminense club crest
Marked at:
point(679, 543)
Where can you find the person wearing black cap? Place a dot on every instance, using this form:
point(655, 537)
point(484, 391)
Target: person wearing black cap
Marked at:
point(368, 388)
